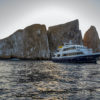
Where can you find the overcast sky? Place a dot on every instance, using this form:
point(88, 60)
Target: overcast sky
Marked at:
point(17, 14)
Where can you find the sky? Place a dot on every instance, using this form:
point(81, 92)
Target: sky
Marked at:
point(17, 14)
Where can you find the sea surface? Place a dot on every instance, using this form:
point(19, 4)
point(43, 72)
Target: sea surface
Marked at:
point(45, 80)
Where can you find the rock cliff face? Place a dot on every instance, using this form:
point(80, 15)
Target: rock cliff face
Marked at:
point(30, 43)
point(59, 34)
point(91, 39)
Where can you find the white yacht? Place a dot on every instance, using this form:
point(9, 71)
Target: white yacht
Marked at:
point(75, 54)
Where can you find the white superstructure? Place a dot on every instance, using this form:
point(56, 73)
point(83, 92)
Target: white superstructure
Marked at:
point(69, 50)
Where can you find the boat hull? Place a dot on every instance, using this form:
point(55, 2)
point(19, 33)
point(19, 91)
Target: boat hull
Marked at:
point(78, 59)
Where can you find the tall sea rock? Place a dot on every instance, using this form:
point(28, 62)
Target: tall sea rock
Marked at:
point(59, 34)
point(30, 43)
point(91, 39)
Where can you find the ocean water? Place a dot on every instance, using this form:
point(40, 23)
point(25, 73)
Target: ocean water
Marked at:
point(45, 80)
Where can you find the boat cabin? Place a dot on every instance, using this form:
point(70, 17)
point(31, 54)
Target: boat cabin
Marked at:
point(71, 50)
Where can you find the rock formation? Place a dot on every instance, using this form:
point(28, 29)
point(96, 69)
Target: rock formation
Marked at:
point(91, 39)
point(59, 34)
point(30, 43)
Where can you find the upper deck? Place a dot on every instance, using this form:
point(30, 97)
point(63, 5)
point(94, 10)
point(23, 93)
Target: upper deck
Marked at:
point(71, 49)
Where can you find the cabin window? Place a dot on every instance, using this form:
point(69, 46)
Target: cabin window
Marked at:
point(53, 55)
point(58, 55)
point(68, 48)
point(65, 54)
point(75, 53)
point(57, 50)
point(65, 49)
point(71, 54)
point(79, 53)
